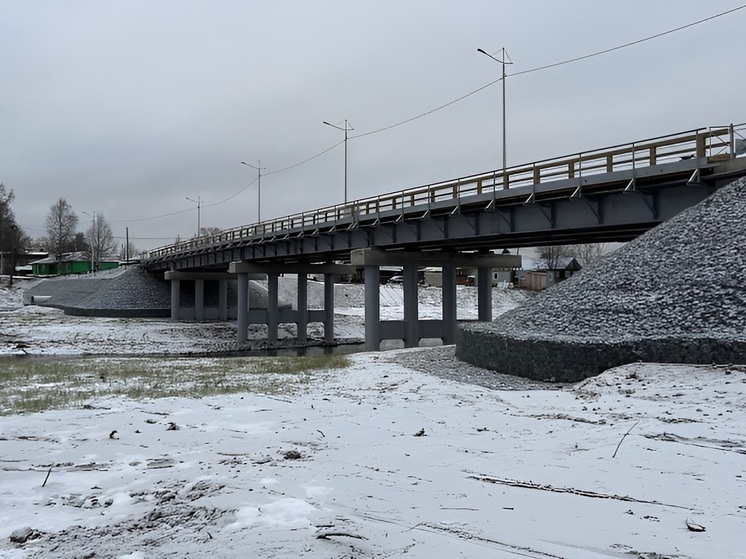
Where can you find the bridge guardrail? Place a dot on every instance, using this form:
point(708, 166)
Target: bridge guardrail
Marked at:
point(714, 143)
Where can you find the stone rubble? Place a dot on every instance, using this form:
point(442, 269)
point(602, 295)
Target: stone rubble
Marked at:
point(674, 294)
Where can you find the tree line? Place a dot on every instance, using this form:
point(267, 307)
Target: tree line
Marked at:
point(62, 235)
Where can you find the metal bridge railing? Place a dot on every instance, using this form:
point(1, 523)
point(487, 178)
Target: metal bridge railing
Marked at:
point(714, 143)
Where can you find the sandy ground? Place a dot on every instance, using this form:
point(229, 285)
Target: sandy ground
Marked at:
point(380, 459)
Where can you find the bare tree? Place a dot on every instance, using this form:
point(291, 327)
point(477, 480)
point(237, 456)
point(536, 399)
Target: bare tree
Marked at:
point(128, 250)
point(551, 256)
point(587, 254)
point(10, 233)
point(60, 225)
point(100, 239)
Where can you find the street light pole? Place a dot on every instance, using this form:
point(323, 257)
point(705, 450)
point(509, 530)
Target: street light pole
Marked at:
point(93, 232)
point(505, 60)
point(198, 201)
point(346, 129)
point(259, 168)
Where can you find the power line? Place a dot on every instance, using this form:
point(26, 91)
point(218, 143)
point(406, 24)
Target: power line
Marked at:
point(547, 66)
point(630, 44)
point(231, 196)
point(461, 98)
point(305, 160)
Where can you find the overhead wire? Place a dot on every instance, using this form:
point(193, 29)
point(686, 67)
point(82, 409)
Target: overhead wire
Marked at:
point(466, 96)
point(547, 66)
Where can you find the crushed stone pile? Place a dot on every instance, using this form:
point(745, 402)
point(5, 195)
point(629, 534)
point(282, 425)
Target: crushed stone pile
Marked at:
point(131, 292)
point(675, 294)
point(120, 292)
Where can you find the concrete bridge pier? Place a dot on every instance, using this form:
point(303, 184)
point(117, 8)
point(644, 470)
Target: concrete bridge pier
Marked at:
point(328, 311)
point(449, 303)
point(411, 330)
point(275, 315)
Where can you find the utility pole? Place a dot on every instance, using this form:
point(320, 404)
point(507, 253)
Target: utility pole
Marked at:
point(93, 238)
point(346, 129)
point(259, 168)
point(503, 61)
point(198, 201)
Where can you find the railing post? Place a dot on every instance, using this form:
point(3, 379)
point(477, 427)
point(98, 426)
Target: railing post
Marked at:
point(653, 156)
point(701, 145)
point(537, 174)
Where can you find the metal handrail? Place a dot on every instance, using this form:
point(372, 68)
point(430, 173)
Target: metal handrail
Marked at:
point(713, 142)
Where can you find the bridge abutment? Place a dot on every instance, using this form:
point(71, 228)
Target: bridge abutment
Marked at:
point(200, 280)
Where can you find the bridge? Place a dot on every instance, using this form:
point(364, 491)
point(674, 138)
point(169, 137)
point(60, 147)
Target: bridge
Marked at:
point(611, 194)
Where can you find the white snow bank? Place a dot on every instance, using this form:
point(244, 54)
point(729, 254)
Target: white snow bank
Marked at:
point(613, 467)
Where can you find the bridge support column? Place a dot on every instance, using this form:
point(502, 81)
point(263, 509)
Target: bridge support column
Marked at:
point(484, 294)
point(372, 308)
point(242, 310)
point(273, 307)
point(222, 299)
point(199, 300)
point(329, 308)
point(411, 307)
point(449, 303)
point(175, 298)
point(302, 323)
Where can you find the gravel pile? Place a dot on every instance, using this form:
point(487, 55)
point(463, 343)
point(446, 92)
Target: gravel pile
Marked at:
point(124, 292)
point(675, 294)
point(132, 292)
point(442, 362)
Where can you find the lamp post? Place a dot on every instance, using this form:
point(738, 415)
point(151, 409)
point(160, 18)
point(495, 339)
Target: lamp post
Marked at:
point(14, 242)
point(198, 201)
point(259, 168)
point(93, 227)
point(346, 129)
point(505, 60)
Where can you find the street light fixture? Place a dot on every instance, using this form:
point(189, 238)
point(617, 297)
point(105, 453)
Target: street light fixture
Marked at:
point(259, 168)
point(198, 201)
point(505, 60)
point(346, 129)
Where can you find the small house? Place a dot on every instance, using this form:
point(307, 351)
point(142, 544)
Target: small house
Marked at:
point(70, 263)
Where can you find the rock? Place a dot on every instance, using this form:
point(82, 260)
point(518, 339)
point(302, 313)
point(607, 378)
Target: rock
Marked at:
point(22, 535)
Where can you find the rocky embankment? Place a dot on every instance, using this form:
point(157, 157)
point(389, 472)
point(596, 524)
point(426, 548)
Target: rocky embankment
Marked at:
point(675, 294)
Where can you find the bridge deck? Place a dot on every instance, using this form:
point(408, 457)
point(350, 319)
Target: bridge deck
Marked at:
point(475, 211)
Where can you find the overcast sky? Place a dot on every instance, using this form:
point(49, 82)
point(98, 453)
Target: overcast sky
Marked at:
point(129, 107)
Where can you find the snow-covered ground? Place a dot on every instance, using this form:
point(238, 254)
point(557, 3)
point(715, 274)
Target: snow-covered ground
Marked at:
point(40, 330)
point(376, 460)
